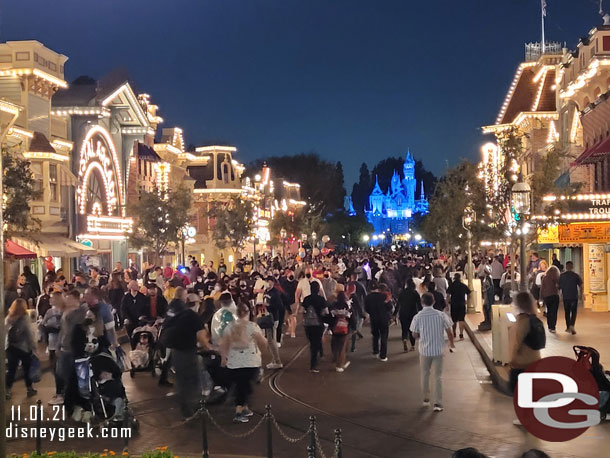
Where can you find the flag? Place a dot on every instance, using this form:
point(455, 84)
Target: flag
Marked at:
point(543, 4)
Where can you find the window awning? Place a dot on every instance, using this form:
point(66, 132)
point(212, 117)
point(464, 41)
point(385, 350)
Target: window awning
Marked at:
point(15, 251)
point(592, 153)
point(56, 245)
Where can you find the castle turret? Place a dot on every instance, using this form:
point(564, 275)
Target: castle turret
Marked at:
point(376, 198)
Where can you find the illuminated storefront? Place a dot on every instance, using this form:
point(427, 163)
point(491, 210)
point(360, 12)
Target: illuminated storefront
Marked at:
point(577, 229)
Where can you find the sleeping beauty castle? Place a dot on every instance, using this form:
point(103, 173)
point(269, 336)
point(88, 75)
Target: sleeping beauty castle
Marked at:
point(393, 210)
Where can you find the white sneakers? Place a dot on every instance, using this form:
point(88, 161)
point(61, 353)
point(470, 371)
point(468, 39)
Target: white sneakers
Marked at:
point(56, 400)
point(274, 366)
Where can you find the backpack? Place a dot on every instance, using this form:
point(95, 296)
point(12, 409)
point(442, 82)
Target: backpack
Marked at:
point(311, 317)
point(341, 326)
point(536, 337)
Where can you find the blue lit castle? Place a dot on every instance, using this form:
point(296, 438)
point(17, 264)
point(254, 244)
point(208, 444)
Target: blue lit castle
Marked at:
point(394, 209)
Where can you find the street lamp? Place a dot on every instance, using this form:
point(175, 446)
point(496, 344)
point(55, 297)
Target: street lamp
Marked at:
point(365, 238)
point(467, 219)
point(417, 238)
point(521, 195)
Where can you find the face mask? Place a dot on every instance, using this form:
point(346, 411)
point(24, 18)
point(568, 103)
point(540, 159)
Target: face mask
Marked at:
point(199, 279)
point(276, 275)
point(326, 276)
point(308, 275)
point(291, 277)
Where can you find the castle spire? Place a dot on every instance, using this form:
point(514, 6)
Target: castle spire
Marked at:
point(422, 195)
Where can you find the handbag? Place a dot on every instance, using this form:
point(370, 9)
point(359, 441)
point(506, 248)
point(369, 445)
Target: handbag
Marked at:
point(35, 372)
point(265, 321)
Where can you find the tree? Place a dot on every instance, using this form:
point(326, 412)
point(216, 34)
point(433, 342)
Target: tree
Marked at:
point(159, 218)
point(546, 175)
point(232, 224)
point(18, 191)
point(362, 189)
point(499, 184)
point(347, 230)
point(319, 179)
point(443, 224)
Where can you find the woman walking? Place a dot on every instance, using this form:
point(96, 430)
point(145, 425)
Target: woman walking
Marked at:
point(20, 345)
point(315, 309)
point(549, 291)
point(241, 346)
point(409, 303)
point(340, 313)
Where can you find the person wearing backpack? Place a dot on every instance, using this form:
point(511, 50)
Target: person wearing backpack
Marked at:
point(340, 314)
point(529, 339)
point(315, 311)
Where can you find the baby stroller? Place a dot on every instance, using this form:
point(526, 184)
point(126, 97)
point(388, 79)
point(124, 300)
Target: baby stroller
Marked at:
point(145, 354)
point(100, 387)
point(589, 358)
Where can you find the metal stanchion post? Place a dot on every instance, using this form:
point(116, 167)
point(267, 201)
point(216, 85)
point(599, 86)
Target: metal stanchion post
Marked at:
point(38, 426)
point(126, 425)
point(338, 444)
point(204, 431)
point(269, 431)
point(311, 450)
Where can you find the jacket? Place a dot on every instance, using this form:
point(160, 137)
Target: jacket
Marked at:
point(20, 334)
point(378, 307)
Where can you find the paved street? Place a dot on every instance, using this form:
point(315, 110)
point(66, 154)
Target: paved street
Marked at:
point(377, 405)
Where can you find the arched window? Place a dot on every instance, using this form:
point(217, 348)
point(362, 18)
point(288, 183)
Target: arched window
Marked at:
point(225, 173)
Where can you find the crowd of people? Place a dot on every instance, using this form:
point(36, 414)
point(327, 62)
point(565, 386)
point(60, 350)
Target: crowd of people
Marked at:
point(215, 324)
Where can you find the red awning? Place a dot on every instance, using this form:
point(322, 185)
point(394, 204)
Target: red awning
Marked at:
point(590, 154)
point(17, 251)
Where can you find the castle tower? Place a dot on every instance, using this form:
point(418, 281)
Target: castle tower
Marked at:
point(409, 182)
point(376, 199)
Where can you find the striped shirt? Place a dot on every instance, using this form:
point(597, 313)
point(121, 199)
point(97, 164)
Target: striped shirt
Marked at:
point(431, 325)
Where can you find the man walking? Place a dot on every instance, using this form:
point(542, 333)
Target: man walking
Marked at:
point(379, 306)
point(430, 326)
point(570, 285)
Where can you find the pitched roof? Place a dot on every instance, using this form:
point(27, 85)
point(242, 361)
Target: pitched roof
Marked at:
point(532, 90)
point(40, 144)
point(147, 153)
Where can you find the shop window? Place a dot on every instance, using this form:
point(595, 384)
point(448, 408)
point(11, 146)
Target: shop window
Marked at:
point(36, 169)
point(606, 43)
point(53, 181)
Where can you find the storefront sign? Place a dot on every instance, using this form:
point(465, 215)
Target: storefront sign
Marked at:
point(597, 268)
point(584, 233)
point(548, 234)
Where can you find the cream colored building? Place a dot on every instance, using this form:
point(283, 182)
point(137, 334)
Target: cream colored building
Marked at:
point(30, 74)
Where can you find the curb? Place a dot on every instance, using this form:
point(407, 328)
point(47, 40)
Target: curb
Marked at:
point(501, 383)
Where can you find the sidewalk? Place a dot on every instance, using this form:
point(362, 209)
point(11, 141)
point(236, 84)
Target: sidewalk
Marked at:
point(593, 330)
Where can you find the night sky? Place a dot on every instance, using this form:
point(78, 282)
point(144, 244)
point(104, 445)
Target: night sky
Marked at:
point(354, 80)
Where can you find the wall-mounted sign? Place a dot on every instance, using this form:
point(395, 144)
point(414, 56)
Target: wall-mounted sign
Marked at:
point(549, 234)
point(597, 268)
point(584, 233)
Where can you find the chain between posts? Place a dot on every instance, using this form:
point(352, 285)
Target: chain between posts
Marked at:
point(236, 436)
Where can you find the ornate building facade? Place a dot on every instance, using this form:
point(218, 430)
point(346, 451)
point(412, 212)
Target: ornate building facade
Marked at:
point(392, 211)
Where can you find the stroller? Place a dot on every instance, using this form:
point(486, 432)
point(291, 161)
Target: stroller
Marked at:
point(100, 387)
point(589, 358)
point(145, 354)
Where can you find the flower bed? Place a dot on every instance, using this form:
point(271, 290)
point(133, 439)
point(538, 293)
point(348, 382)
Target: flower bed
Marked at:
point(159, 452)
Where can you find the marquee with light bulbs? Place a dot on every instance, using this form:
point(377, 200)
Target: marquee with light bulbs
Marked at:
point(98, 160)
